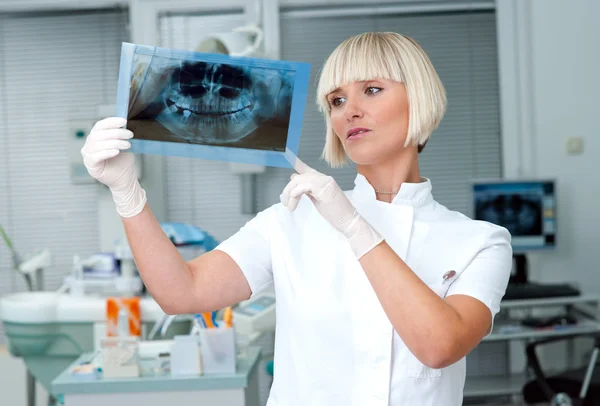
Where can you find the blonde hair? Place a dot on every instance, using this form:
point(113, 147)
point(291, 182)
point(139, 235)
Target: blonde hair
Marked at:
point(384, 55)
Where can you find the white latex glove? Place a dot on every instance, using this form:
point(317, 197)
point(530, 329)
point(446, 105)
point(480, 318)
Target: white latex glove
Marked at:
point(106, 163)
point(331, 202)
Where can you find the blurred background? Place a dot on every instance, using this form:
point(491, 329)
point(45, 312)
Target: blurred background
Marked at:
point(522, 82)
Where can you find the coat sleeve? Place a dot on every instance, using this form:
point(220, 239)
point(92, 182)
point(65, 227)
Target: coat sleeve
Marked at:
point(250, 248)
point(487, 275)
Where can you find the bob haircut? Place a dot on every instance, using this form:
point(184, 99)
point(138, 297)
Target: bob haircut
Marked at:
point(384, 55)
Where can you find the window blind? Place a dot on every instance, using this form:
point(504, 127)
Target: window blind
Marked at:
point(54, 67)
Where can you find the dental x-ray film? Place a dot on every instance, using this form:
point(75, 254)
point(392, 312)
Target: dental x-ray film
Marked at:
point(212, 106)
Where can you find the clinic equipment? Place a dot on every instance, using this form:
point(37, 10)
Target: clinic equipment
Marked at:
point(239, 389)
point(228, 317)
point(30, 267)
point(185, 356)
point(187, 235)
point(241, 41)
point(100, 275)
point(219, 352)
point(254, 323)
point(16, 258)
point(49, 330)
point(120, 357)
point(528, 210)
point(256, 315)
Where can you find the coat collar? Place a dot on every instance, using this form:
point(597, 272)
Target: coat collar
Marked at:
point(410, 194)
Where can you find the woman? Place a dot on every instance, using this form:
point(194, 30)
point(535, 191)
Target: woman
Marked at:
point(381, 291)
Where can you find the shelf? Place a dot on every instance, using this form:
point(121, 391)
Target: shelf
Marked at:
point(585, 306)
point(523, 332)
point(500, 385)
point(550, 301)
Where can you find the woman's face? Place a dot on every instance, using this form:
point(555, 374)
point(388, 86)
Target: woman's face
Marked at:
point(371, 119)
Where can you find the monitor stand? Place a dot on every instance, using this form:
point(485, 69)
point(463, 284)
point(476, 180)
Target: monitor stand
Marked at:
point(520, 287)
point(520, 276)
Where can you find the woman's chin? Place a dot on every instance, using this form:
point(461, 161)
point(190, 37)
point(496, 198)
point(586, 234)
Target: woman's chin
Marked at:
point(365, 156)
point(370, 154)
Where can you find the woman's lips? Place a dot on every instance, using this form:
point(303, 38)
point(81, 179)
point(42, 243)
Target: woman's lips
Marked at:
point(355, 135)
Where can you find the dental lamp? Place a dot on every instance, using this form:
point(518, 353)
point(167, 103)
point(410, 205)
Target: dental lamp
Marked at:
point(242, 41)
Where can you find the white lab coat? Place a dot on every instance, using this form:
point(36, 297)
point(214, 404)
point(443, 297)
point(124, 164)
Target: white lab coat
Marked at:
point(334, 344)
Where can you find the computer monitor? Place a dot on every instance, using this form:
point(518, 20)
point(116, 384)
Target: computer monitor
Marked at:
point(526, 208)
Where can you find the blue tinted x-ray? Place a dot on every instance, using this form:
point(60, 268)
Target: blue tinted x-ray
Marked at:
point(212, 106)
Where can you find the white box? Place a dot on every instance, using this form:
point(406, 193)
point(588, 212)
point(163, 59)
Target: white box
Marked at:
point(185, 356)
point(218, 350)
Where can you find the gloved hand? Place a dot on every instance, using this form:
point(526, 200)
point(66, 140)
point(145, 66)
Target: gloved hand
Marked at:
point(106, 163)
point(332, 203)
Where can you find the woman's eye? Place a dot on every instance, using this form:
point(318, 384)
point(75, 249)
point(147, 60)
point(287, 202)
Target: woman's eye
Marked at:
point(336, 101)
point(373, 89)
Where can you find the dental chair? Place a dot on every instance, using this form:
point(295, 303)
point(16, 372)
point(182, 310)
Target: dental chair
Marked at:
point(576, 387)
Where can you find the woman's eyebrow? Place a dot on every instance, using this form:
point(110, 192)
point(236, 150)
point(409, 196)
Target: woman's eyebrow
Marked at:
point(339, 89)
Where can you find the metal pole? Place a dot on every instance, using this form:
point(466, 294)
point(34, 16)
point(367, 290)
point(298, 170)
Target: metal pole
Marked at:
point(30, 389)
point(31, 383)
point(248, 181)
point(39, 279)
point(588, 374)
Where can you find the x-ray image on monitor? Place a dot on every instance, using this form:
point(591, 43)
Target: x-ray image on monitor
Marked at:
point(527, 209)
point(519, 213)
point(212, 106)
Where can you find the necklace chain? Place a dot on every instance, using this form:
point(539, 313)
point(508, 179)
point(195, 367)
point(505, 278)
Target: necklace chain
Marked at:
point(386, 193)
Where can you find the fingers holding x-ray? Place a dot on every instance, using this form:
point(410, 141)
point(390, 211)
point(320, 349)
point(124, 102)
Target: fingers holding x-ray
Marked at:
point(314, 184)
point(290, 197)
point(97, 151)
point(92, 158)
point(294, 190)
point(104, 155)
point(113, 134)
point(332, 204)
point(111, 144)
point(101, 150)
point(109, 123)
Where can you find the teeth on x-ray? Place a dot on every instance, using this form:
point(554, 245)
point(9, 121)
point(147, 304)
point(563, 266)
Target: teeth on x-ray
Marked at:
point(213, 103)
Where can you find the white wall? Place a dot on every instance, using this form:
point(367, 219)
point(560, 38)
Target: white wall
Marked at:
point(566, 44)
point(550, 53)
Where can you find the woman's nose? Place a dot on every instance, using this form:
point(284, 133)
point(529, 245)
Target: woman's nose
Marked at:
point(352, 110)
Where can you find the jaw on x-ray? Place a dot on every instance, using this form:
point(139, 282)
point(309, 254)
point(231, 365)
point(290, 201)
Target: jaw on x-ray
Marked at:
point(209, 103)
